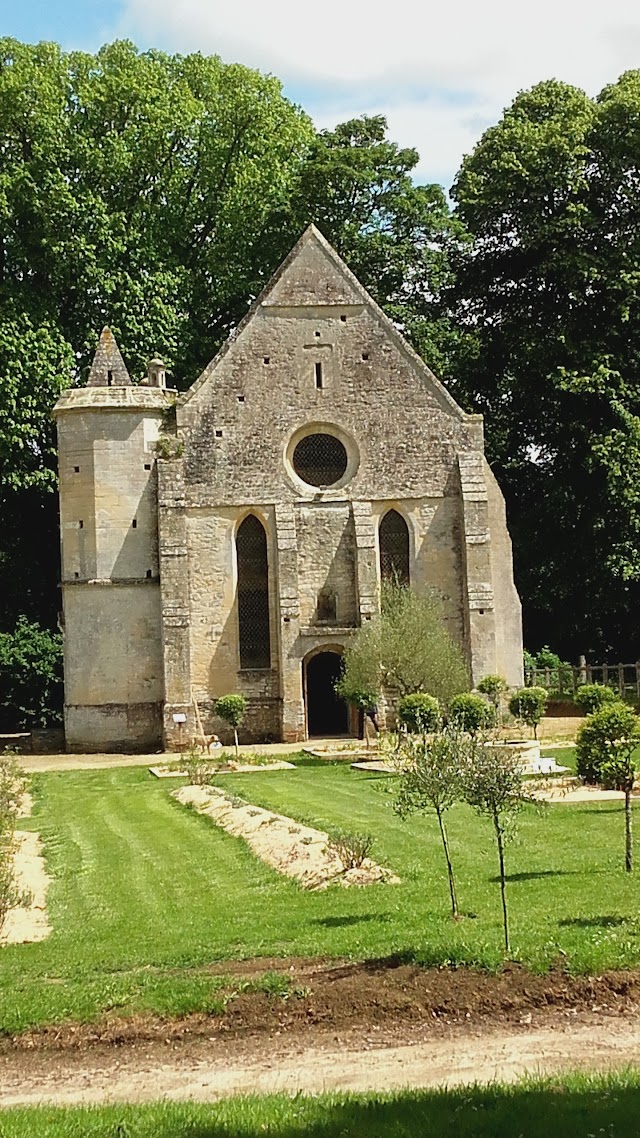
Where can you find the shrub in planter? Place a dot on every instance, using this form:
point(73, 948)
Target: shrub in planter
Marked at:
point(529, 705)
point(591, 697)
point(470, 712)
point(419, 713)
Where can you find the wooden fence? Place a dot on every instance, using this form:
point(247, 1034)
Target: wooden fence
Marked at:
point(565, 680)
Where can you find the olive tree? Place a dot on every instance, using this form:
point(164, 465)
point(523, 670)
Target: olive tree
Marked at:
point(406, 648)
point(494, 785)
point(432, 779)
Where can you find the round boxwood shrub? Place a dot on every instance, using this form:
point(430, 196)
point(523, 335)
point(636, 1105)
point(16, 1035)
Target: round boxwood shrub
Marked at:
point(419, 713)
point(591, 697)
point(470, 712)
point(529, 705)
point(601, 737)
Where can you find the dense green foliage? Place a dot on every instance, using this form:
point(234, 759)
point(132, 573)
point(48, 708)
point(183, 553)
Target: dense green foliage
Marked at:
point(607, 749)
point(591, 697)
point(470, 712)
point(574, 1106)
point(140, 881)
point(528, 705)
point(30, 677)
point(157, 194)
point(605, 733)
point(405, 649)
point(494, 687)
point(548, 295)
point(419, 712)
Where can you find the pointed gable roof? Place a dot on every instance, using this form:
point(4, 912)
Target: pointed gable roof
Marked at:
point(108, 368)
point(296, 283)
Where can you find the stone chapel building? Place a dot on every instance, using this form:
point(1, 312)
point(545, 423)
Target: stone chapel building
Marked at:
point(231, 538)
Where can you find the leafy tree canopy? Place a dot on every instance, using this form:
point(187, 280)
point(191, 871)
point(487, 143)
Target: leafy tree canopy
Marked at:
point(548, 294)
point(157, 193)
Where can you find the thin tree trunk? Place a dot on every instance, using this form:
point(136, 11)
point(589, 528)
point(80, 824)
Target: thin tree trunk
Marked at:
point(235, 736)
point(452, 884)
point(628, 831)
point(503, 885)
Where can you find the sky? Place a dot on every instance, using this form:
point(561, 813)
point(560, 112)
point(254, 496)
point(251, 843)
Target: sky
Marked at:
point(440, 73)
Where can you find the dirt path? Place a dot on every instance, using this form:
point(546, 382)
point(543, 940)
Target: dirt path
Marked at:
point(205, 1072)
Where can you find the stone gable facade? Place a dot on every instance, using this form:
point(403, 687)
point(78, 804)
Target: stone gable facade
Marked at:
point(315, 454)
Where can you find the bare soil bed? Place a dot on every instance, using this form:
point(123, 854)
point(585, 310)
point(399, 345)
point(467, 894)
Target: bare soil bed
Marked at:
point(344, 1026)
point(385, 996)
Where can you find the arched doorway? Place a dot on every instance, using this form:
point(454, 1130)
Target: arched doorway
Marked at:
point(327, 714)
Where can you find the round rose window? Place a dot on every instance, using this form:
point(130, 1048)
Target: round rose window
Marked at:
point(320, 460)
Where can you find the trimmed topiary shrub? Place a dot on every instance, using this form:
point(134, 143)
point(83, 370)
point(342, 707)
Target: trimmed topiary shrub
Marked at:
point(605, 732)
point(232, 709)
point(419, 713)
point(591, 697)
point(470, 712)
point(494, 687)
point(529, 705)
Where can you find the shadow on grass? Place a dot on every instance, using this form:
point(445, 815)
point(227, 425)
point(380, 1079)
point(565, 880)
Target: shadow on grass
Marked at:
point(573, 1108)
point(539, 873)
point(352, 919)
point(595, 922)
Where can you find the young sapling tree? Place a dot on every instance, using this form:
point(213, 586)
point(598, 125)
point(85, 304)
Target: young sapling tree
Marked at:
point(494, 687)
point(232, 709)
point(494, 785)
point(607, 752)
point(360, 696)
point(431, 779)
point(419, 713)
point(470, 712)
point(529, 705)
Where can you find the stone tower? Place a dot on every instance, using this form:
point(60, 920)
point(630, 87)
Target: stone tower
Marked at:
point(107, 433)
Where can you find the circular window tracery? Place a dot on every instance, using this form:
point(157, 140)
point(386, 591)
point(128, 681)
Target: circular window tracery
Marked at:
point(320, 460)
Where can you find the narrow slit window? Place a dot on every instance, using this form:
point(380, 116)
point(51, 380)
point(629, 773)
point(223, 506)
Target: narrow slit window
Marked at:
point(109, 379)
point(318, 374)
point(134, 524)
point(253, 594)
point(394, 549)
point(80, 525)
point(149, 573)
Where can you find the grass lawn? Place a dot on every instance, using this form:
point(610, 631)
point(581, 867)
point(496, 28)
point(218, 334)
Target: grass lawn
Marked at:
point(577, 1107)
point(146, 893)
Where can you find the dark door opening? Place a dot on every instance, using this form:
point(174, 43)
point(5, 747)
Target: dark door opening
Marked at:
point(326, 712)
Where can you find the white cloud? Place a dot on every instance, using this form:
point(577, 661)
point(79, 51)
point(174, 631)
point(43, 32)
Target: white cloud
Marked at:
point(440, 73)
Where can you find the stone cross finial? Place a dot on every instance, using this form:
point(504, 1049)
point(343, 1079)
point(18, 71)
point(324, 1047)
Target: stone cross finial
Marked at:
point(108, 368)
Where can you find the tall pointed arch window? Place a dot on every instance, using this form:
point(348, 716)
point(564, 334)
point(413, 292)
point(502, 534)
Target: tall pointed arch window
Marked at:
point(253, 594)
point(394, 548)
